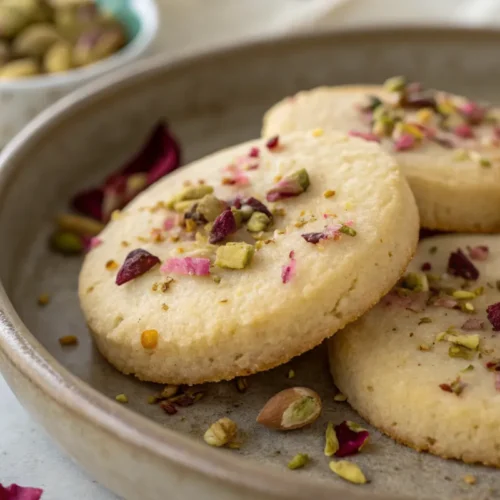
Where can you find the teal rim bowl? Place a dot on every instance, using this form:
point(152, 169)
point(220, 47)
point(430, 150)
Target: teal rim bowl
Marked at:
point(141, 20)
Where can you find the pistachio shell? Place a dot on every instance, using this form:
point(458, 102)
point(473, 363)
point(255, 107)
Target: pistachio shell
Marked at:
point(35, 40)
point(58, 58)
point(98, 44)
point(33, 10)
point(12, 21)
point(21, 68)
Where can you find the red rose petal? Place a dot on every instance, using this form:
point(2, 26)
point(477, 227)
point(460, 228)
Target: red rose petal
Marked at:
point(404, 143)
point(16, 492)
point(224, 225)
point(258, 206)
point(460, 265)
point(493, 312)
point(273, 143)
point(426, 266)
point(288, 270)
point(136, 263)
point(350, 439)
point(472, 112)
point(465, 131)
point(480, 252)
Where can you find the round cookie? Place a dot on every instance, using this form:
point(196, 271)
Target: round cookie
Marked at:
point(358, 214)
point(447, 146)
point(423, 367)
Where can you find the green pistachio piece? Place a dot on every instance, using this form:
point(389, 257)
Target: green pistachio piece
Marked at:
point(191, 193)
point(183, 206)
point(416, 281)
point(463, 294)
point(395, 84)
point(298, 461)
point(21, 68)
point(78, 224)
point(331, 441)
point(302, 177)
point(469, 341)
point(458, 351)
point(12, 21)
point(348, 471)
point(258, 222)
point(238, 216)
point(210, 207)
point(35, 40)
point(66, 243)
point(58, 58)
point(234, 255)
point(246, 212)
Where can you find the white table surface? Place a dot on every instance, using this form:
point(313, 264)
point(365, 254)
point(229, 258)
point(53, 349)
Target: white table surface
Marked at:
point(27, 456)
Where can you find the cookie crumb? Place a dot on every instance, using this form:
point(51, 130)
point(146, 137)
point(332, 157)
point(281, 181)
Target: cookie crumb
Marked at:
point(470, 479)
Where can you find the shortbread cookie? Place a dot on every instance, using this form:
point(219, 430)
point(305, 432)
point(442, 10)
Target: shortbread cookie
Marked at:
point(423, 365)
point(248, 257)
point(448, 146)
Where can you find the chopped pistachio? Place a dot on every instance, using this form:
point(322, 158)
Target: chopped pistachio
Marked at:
point(191, 193)
point(291, 373)
point(479, 159)
point(278, 211)
point(468, 368)
point(221, 432)
point(470, 479)
point(463, 294)
point(79, 224)
point(210, 207)
point(347, 230)
point(417, 282)
point(246, 212)
point(258, 222)
point(478, 291)
point(458, 351)
point(183, 206)
point(441, 336)
point(467, 307)
point(424, 320)
point(234, 255)
point(329, 193)
point(469, 341)
point(340, 397)
point(298, 461)
point(122, 398)
point(238, 216)
point(424, 115)
point(190, 227)
point(348, 471)
point(395, 84)
point(66, 243)
point(331, 441)
point(242, 384)
point(302, 177)
point(169, 391)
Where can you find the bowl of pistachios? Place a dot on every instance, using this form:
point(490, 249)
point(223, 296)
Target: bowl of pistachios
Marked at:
point(50, 47)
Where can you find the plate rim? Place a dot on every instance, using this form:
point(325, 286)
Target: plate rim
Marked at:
point(24, 353)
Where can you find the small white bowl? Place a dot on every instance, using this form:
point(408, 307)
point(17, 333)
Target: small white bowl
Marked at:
point(21, 100)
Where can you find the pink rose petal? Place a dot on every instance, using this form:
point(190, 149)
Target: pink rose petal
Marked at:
point(16, 492)
point(288, 270)
point(351, 438)
point(478, 253)
point(367, 136)
point(446, 302)
point(187, 266)
point(473, 324)
point(465, 131)
point(404, 143)
point(497, 381)
point(472, 112)
point(169, 223)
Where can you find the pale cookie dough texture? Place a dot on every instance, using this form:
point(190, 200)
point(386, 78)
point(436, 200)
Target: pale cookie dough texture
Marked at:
point(251, 320)
point(454, 175)
point(426, 374)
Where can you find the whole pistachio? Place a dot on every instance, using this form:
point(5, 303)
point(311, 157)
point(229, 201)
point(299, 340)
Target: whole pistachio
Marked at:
point(21, 68)
point(33, 10)
point(35, 40)
point(98, 44)
point(12, 21)
point(58, 58)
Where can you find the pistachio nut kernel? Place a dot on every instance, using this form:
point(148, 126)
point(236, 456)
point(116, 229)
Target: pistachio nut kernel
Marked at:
point(395, 84)
point(291, 409)
point(298, 461)
point(20, 68)
point(416, 282)
point(221, 432)
point(463, 294)
point(468, 341)
point(66, 243)
point(234, 255)
point(79, 224)
point(258, 222)
point(457, 351)
point(58, 58)
point(331, 441)
point(12, 21)
point(348, 471)
point(210, 207)
point(35, 40)
point(190, 193)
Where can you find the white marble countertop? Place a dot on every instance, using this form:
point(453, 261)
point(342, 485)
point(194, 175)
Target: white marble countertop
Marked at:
point(27, 456)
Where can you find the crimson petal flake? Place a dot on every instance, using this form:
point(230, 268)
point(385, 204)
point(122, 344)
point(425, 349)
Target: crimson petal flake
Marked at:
point(137, 263)
point(258, 206)
point(480, 252)
point(493, 312)
point(460, 265)
point(288, 270)
point(16, 492)
point(351, 438)
point(189, 266)
point(224, 225)
point(158, 157)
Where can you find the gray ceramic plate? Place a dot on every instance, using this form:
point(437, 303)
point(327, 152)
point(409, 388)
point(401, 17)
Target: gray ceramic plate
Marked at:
point(211, 100)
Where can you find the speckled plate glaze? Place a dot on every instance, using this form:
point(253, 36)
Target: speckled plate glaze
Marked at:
point(211, 100)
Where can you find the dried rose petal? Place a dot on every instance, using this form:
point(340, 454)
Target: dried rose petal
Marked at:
point(472, 112)
point(460, 265)
point(478, 253)
point(16, 492)
point(456, 387)
point(254, 152)
point(497, 382)
point(446, 387)
point(168, 407)
point(414, 301)
point(187, 266)
point(288, 271)
point(292, 185)
point(273, 143)
point(493, 312)
point(224, 225)
point(236, 177)
point(473, 324)
point(404, 143)
point(367, 136)
point(314, 237)
point(416, 100)
point(465, 131)
point(169, 223)
point(426, 266)
point(159, 156)
point(136, 263)
point(351, 438)
point(446, 302)
point(445, 142)
point(95, 241)
point(258, 206)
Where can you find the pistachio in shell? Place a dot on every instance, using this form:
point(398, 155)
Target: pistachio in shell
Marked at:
point(12, 21)
point(21, 68)
point(58, 58)
point(98, 44)
point(33, 10)
point(35, 40)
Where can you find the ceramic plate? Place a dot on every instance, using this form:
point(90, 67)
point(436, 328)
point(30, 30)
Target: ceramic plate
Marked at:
point(211, 101)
